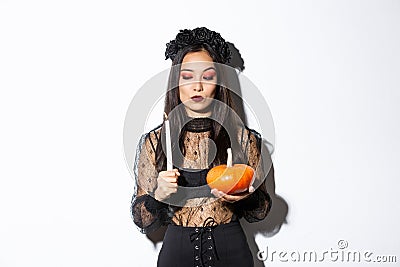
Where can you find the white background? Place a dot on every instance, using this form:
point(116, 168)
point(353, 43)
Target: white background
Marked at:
point(329, 71)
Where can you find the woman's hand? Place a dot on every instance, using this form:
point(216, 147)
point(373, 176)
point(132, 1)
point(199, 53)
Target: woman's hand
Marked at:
point(167, 184)
point(232, 198)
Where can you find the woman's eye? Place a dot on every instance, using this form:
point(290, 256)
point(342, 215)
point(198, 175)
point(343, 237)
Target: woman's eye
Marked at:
point(186, 77)
point(208, 78)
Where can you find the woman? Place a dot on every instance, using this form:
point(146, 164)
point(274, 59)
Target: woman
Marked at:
point(203, 224)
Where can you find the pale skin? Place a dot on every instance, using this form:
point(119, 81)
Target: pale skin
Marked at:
point(198, 78)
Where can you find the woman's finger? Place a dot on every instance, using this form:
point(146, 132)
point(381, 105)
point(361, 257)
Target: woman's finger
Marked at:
point(170, 174)
point(234, 198)
point(231, 198)
point(215, 192)
point(172, 185)
point(170, 179)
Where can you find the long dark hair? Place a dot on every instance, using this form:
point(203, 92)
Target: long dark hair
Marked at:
point(220, 114)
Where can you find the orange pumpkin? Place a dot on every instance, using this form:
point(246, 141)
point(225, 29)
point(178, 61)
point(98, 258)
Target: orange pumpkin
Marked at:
point(230, 179)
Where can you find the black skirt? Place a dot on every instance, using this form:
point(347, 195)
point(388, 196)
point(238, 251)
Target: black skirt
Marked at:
point(222, 245)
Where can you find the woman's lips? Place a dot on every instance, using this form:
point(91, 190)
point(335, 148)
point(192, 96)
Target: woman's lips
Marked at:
point(197, 98)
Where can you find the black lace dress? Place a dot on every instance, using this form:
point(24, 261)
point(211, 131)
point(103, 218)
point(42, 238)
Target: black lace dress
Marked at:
point(205, 231)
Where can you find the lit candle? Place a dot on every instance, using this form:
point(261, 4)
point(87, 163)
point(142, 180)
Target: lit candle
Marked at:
point(168, 143)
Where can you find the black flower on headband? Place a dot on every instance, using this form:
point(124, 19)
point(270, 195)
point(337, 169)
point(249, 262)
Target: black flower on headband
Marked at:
point(198, 36)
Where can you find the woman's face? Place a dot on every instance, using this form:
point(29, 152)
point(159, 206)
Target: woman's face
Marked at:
point(197, 83)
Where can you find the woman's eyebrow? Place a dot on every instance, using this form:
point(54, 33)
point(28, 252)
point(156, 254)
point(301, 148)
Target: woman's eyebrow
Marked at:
point(209, 68)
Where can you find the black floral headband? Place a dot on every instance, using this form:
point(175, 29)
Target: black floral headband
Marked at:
point(198, 36)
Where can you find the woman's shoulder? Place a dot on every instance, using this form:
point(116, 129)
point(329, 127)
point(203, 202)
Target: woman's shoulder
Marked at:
point(249, 136)
point(252, 132)
point(256, 140)
point(155, 132)
point(151, 138)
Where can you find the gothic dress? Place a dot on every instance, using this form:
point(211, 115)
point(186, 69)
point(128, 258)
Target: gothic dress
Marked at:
point(205, 231)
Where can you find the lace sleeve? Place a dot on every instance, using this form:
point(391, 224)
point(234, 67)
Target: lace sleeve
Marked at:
point(256, 207)
point(147, 213)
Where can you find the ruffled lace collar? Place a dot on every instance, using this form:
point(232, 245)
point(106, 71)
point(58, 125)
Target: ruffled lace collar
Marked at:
point(201, 124)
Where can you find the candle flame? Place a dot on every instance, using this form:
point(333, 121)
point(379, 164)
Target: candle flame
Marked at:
point(165, 116)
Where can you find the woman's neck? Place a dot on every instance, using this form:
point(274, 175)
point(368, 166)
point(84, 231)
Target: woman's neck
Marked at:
point(194, 114)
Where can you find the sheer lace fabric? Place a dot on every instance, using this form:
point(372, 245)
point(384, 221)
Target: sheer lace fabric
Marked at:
point(149, 214)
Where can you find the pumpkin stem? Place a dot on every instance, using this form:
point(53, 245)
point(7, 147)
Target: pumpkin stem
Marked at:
point(229, 160)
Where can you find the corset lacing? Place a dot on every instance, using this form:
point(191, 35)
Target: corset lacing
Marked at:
point(204, 244)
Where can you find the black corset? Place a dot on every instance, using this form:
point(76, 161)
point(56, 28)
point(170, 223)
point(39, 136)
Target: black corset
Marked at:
point(192, 178)
point(192, 184)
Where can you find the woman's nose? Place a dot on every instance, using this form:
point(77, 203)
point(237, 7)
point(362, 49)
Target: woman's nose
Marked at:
point(198, 86)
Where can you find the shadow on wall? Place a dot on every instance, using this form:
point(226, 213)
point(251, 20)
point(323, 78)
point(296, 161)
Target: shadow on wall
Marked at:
point(279, 209)
point(272, 224)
